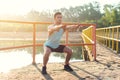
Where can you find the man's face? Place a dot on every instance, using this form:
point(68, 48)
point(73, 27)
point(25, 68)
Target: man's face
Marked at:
point(58, 19)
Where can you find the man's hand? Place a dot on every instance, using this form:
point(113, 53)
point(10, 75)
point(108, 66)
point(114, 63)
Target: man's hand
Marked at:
point(63, 26)
point(77, 26)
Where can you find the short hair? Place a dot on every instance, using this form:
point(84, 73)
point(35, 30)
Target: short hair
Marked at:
point(57, 13)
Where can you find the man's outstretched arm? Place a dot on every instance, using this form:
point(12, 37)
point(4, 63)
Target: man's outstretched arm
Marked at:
point(72, 26)
point(56, 28)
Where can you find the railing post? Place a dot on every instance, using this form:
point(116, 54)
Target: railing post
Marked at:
point(94, 44)
point(34, 43)
point(106, 36)
point(109, 37)
point(117, 43)
point(113, 37)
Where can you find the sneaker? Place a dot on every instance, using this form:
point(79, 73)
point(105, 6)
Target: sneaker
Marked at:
point(67, 68)
point(44, 70)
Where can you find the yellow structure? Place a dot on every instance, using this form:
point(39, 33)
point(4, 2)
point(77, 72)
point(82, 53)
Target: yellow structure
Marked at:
point(87, 35)
point(109, 36)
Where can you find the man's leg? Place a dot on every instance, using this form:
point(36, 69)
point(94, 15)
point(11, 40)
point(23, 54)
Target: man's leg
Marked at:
point(68, 51)
point(47, 52)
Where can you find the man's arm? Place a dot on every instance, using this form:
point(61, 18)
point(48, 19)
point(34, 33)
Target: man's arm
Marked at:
point(51, 29)
point(71, 27)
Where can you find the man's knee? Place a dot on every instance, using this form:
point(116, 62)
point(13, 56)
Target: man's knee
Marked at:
point(68, 50)
point(71, 51)
point(47, 51)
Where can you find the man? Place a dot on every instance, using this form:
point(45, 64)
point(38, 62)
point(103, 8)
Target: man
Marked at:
point(55, 32)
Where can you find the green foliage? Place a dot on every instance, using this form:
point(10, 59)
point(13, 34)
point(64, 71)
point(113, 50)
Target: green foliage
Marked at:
point(111, 16)
point(81, 13)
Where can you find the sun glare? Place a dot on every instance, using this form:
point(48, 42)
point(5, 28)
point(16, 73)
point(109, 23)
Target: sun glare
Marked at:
point(24, 6)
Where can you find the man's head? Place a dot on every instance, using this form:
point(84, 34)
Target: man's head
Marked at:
point(58, 17)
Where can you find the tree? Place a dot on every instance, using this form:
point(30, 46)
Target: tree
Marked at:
point(111, 15)
point(87, 12)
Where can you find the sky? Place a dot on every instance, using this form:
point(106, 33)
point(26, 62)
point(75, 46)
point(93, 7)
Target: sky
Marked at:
point(22, 7)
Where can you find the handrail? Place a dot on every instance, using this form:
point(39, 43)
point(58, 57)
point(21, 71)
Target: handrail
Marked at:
point(107, 27)
point(34, 22)
point(108, 38)
point(91, 41)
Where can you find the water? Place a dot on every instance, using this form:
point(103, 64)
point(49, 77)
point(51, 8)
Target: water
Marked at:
point(13, 59)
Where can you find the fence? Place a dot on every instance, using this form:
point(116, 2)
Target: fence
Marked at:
point(88, 36)
point(109, 36)
point(34, 44)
